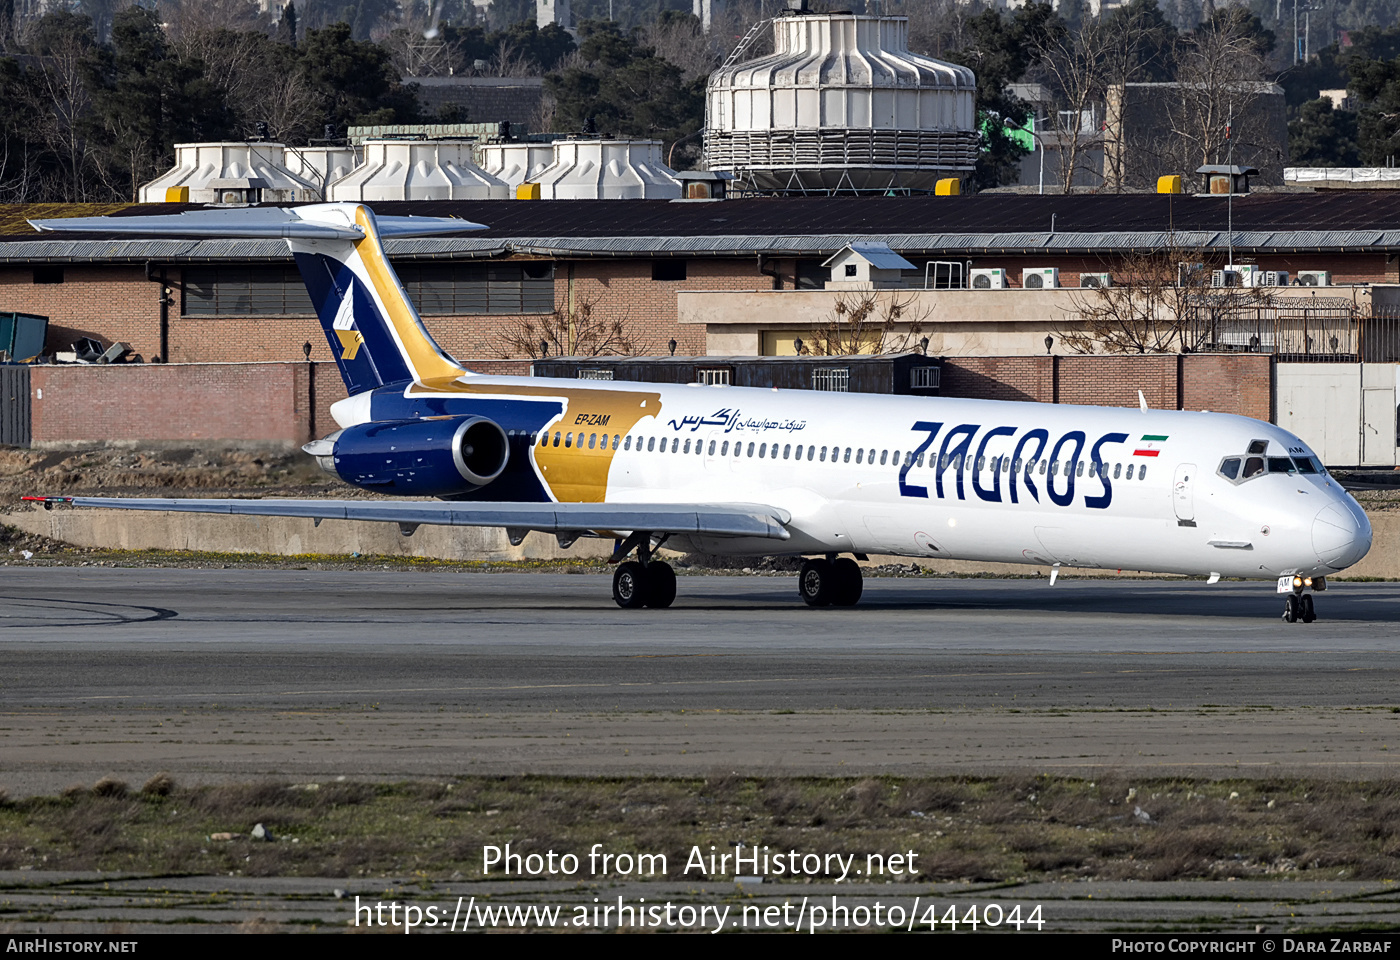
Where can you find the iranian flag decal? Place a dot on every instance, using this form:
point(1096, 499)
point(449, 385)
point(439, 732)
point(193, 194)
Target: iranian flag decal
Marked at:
point(1149, 445)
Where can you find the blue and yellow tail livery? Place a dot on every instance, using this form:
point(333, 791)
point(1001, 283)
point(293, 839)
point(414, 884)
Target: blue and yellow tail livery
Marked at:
point(374, 333)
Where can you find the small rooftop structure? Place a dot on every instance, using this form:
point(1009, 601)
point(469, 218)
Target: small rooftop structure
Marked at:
point(866, 265)
point(704, 184)
point(1225, 179)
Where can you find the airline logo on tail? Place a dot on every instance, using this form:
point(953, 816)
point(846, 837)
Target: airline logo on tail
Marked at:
point(344, 326)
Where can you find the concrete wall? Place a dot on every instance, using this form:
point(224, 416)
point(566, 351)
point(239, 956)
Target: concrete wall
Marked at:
point(127, 530)
point(994, 323)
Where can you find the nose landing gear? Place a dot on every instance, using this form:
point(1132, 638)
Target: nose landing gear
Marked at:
point(1298, 604)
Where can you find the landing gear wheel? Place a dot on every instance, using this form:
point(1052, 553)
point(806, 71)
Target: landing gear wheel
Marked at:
point(814, 583)
point(1306, 612)
point(1290, 608)
point(847, 585)
point(630, 585)
point(661, 584)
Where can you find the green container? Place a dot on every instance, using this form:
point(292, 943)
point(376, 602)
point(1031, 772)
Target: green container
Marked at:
point(22, 335)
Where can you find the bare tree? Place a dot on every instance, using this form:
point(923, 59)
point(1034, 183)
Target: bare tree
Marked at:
point(511, 61)
point(61, 97)
point(938, 27)
point(1219, 79)
point(576, 332)
point(682, 42)
point(871, 321)
point(259, 79)
point(184, 18)
point(1076, 66)
point(1158, 302)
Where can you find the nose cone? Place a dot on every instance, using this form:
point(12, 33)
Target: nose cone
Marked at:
point(1341, 535)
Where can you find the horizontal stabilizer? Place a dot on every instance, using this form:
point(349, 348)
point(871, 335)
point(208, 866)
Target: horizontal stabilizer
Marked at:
point(717, 520)
point(319, 221)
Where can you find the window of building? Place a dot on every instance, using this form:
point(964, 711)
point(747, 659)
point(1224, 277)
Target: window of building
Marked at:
point(594, 374)
point(710, 376)
point(247, 290)
point(48, 273)
point(811, 275)
point(464, 289)
point(834, 379)
point(668, 270)
point(925, 378)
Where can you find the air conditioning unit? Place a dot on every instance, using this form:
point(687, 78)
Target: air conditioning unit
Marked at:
point(1242, 275)
point(989, 279)
point(1096, 279)
point(1314, 278)
point(1040, 278)
point(1273, 278)
point(1189, 273)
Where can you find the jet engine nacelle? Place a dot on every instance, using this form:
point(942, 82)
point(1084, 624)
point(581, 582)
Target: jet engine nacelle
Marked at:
point(435, 457)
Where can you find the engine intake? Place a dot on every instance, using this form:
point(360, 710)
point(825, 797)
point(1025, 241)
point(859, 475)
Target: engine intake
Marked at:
point(435, 457)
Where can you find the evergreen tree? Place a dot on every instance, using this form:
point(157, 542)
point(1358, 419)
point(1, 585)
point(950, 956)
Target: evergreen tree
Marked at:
point(1323, 136)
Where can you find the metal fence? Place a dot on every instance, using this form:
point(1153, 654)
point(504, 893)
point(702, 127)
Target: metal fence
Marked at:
point(14, 405)
point(1313, 330)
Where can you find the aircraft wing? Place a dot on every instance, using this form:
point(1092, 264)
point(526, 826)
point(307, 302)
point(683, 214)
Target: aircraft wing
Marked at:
point(710, 519)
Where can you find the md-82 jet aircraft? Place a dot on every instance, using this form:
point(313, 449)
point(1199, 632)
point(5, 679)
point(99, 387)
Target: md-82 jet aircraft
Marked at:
point(752, 472)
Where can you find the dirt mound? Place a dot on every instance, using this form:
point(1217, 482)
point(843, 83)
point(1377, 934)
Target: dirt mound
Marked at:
point(195, 471)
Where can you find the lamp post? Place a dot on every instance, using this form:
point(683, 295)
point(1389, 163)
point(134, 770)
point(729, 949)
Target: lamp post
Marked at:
point(1049, 342)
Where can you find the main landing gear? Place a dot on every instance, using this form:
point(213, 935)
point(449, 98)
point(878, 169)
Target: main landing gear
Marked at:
point(646, 581)
point(651, 585)
point(1298, 605)
point(830, 581)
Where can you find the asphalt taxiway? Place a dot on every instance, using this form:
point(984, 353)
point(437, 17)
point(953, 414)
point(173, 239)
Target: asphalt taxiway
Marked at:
point(212, 674)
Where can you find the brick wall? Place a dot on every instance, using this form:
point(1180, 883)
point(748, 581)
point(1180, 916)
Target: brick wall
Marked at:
point(999, 378)
point(1238, 384)
point(106, 303)
point(194, 401)
point(263, 401)
point(270, 401)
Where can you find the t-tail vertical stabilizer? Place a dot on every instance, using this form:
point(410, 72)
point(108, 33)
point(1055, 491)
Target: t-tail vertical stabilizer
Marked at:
point(375, 334)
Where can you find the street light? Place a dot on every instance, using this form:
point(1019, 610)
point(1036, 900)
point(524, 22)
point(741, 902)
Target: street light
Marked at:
point(1049, 342)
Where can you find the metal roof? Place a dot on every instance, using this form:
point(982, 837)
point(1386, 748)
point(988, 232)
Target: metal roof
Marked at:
point(1345, 221)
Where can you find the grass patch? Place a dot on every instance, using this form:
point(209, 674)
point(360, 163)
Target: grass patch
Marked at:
point(979, 829)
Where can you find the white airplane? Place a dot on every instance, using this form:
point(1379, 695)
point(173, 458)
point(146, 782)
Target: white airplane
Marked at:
point(753, 472)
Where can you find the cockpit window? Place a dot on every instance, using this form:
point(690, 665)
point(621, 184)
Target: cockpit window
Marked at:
point(1241, 469)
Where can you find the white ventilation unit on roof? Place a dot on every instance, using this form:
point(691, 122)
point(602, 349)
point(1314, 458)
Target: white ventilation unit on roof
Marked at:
point(989, 279)
point(1096, 280)
point(1273, 278)
point(607, 170)
point(417, 170)
point(1315, 278)
point(841, 103)
point(210, 171)
point(1040, 278)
